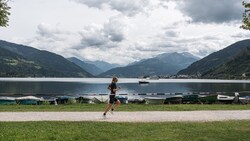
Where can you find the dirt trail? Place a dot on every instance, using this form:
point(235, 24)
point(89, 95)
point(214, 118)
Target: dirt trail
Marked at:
point(150, 116)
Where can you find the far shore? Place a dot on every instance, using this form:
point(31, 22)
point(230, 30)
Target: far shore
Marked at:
point(121, 80)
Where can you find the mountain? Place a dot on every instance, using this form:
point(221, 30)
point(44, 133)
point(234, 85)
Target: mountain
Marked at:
point(94, 70)
point(164, 64)
point(216, 59)
point(237, 68)
point(23, 61)
point(12, 64)
point(104, 66)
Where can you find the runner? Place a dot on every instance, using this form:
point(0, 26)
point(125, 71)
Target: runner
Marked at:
point(112, 99)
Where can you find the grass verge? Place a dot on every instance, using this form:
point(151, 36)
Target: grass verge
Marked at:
point(123, 107)
point(79, 131)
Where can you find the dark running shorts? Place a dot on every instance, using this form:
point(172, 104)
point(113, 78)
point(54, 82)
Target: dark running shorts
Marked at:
point(112, 99)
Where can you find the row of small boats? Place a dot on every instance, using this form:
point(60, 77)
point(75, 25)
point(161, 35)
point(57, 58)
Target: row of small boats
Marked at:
point(197, 98)
point(32, 100)
point(27, 100)
point(139, 99)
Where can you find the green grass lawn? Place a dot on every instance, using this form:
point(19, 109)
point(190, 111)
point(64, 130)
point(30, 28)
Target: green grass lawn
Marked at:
point(124, 107)
point(104, 131)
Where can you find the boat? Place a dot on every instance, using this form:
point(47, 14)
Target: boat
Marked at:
point(122, 99)
point(244, 100)
point(208, 99)
point(100, 99)
point(52, 101)
point(84, 99)
point(29, 100)
point(143, 82)
point(173, 99)
point(7, 101)
point(155, 100)
point(65, 100)
point(190, 98)
point(225, 99)
point(136, 99)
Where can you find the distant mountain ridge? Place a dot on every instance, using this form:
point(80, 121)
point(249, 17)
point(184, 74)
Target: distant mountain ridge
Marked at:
point(94, 70)
point(12, 64)
point(24, 61)
point(164, 64)
point(237, 68)
point(104, 66)
point(216, 59)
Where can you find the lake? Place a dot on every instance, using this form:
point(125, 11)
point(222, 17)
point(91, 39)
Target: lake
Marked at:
point(82, 86)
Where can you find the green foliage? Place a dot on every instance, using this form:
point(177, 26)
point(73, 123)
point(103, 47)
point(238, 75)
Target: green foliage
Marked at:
point(106, 131)
point(4, 13)
point(246, 16)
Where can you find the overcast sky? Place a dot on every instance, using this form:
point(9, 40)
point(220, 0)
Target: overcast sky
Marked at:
point(124, 31)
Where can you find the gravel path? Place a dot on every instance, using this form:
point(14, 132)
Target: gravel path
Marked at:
point(151, 116)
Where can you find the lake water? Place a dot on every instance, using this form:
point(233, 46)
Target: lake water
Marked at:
point(81, 86)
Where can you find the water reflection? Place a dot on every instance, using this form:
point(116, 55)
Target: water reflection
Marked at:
point(76, 88)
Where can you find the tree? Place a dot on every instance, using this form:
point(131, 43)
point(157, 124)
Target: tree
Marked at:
point(4, 13)
point(246, 16)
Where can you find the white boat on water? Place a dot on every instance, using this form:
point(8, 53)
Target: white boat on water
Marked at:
point(155, 100)
point(143, 82)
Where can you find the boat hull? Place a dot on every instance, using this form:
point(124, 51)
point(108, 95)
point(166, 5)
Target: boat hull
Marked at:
point(7, 102)
point(123, 99)
point(208, 99)
point(192, 98)
point(244, 100)
point(225, 99)
point(27, 102)
point(173, 100)
point(100, 99)
point(154, 100)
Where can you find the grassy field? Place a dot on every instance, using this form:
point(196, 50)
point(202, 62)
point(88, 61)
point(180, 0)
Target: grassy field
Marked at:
point(104, 131)
point(79, 131)
point(123, 107)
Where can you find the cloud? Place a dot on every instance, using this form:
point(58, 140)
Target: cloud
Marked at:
point(93, 35)
point(93, 3)
point(241, 35)
point(116, 29)
point(211, 11)
point(52, 38)
point(47, 31)
point(123, 31)
point(107, 35)
point(126, 7)
point(201, 45)
point(172, 33)
point(122, 54)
